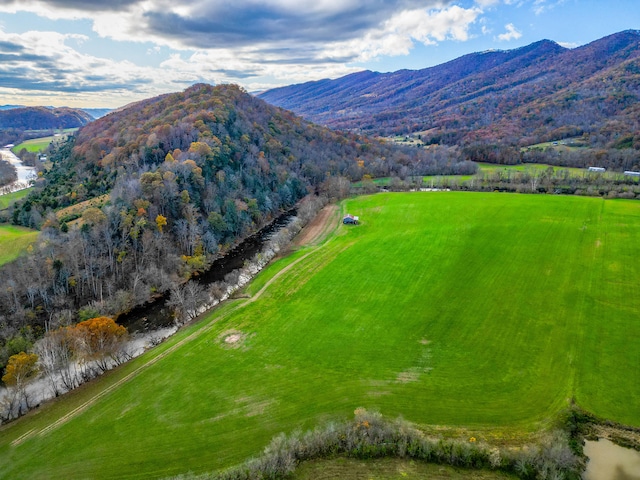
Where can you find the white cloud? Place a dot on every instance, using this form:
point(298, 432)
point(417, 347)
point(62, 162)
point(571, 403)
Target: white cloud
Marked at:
point(251, 42)
point(397, 35)
point(44, 63)
point(511, 34)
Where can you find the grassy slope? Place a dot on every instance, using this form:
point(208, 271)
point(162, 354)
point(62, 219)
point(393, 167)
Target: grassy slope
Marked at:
point(34, 145)
point(487, 311)
point(9, 198)
point(13, 241)
point(40, 144)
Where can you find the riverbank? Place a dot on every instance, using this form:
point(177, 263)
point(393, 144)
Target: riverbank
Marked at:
point(249, 258)
point(26, 175)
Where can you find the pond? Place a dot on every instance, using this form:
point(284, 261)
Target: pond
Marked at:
point(608, 461)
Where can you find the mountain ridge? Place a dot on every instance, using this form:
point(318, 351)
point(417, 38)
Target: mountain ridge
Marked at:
point(43, 118)
point(477, 97)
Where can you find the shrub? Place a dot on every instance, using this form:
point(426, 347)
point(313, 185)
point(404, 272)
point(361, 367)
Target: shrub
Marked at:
point(369, 435)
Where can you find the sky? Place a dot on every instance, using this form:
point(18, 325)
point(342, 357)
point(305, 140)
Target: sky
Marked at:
point(108, 53)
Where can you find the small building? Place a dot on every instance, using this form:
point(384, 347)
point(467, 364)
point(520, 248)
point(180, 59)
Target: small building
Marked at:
point(597, 169)
point(631, 173)
point(350, 219)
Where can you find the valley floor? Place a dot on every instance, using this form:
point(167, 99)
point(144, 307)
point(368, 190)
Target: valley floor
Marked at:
point(464, 313)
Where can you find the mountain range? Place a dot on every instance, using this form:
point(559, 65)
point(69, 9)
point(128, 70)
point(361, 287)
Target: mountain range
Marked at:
point(94, 112)
point(43, 118)
point(524, 96)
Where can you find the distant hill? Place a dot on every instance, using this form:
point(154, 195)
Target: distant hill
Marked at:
point(94, 112)
point(523, 96)
point(97, 112)
point(43, 118)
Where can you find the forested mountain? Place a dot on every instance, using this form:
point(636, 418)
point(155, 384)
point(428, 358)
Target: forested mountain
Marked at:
point(43, 118)
point(175, 180)
point(524, 96)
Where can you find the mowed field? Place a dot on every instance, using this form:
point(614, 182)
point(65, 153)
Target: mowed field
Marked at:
point(40, 144)
point(485, 169)
point(13, 241)
point(481, 312)
point(9, 198)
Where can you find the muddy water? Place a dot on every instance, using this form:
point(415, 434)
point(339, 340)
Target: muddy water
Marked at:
point(608, 461)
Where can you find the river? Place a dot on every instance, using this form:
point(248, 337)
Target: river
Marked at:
point(25, 173)
point(156, 314)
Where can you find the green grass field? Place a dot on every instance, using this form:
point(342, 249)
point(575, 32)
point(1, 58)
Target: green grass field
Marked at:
point(13, 241)
point(388, 469)
point(565, 145)
point(8, 198)
point(491, 168)
point(34, 145)
point(482, 312)
point(40, 144)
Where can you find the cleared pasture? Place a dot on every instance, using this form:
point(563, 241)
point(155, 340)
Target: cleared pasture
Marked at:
point(40, 144)
point(9, 198)
point(487, 169)
point(483, 313)
point(13, 241)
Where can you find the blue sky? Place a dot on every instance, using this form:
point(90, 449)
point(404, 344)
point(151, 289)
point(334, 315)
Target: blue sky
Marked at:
point(110, 53)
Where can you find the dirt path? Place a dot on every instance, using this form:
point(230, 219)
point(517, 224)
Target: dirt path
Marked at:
point(82, 407)
point(278, 275)
point(326, 221)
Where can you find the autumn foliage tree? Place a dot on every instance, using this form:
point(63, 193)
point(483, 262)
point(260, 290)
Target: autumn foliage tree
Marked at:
point(21, 368)
point(100, 340)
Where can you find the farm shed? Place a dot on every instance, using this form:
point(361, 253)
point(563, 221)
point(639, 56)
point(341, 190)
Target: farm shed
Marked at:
point(350, 219)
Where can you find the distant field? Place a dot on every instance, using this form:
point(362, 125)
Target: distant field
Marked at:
point(488, 168)
point(9, 198)
point(34, 145)
point(13, 241)
point(476, 312)
point(40, 144)
point(567, 144)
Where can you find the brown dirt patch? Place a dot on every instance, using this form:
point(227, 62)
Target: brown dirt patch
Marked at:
point(323, 223)
point(232, 338)
point(408, 377)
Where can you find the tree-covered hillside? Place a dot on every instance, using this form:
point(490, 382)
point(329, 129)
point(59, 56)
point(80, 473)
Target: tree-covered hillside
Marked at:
point(150, 194)
point(520, 97)
point(43, 118)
